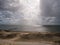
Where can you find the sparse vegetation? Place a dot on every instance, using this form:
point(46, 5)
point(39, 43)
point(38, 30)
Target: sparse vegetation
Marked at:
point(30, 36)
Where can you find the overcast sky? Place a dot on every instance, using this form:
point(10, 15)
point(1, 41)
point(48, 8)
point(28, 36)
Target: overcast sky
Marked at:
point(30, 12)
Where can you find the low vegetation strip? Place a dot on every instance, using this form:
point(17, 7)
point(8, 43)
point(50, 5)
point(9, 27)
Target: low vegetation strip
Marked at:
point(30, 36)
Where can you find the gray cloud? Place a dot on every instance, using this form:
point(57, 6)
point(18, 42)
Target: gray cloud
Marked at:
point(30, 12)
point(19, 11)
point(50, 12)
point(10, 12)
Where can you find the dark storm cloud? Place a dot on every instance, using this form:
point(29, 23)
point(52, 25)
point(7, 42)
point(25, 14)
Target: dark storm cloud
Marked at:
point(16, 11)
point(9, 12)
point(50, 12)
point(29, 11)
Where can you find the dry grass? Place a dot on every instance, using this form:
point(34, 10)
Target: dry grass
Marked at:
point(30, 36)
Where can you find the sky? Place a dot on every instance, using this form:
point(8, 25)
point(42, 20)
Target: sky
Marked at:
point(50, 12)
point(30, 12)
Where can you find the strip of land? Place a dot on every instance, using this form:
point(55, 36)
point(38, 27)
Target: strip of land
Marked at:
point(26, 38)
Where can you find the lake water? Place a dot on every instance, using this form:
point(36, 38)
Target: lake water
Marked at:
point(43, 28)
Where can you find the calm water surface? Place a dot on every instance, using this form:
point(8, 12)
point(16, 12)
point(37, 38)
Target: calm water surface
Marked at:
point(44, 28)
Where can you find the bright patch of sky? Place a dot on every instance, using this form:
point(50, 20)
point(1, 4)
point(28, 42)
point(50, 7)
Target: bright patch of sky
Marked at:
point(30, 12)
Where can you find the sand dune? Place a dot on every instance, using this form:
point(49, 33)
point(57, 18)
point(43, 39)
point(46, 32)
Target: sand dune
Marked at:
point(25, 37)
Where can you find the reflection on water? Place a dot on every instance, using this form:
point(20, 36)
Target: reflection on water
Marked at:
point(44, 28)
